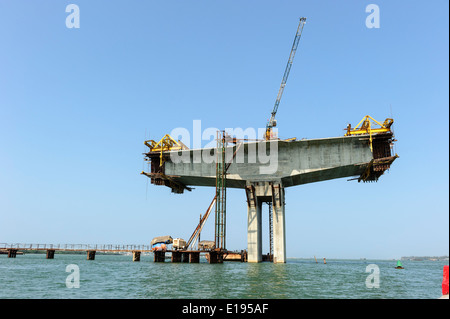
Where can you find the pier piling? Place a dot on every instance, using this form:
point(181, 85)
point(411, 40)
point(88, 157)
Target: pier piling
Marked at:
point(176, 256)
point(50, 254)
point(159, 256)
point(194, 257)
point(12, 253)
point(136, 255)
point(215, 257)
point(184, 257)
point(91, 255)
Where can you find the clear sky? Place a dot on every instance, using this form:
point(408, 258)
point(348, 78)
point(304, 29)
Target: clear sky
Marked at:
point(76, 105)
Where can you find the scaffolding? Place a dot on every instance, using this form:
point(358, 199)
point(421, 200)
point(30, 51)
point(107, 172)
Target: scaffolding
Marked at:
point(270, 229)
point(221, 192)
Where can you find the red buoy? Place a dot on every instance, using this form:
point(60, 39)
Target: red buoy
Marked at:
point(445, 281)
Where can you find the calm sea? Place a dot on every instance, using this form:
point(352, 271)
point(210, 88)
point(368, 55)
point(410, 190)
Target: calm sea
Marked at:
point(117, 276)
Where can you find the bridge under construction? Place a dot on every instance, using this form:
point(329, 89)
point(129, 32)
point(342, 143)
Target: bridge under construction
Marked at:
point(264, 168)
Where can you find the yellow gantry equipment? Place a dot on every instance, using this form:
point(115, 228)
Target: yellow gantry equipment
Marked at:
point(167, 143)
point(365, 127)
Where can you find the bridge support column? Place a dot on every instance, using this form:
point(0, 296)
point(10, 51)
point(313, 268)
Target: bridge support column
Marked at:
point(279, 225)
point(254, 234)
point(257, 193)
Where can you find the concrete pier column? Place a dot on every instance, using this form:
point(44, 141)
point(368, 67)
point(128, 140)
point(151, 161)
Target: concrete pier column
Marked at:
point(136, 255)
point(159, 256)
point(91, 255)
point(12, 253)
point(279, 225)
point(254, 231)
point(258, 193)
point(50, 254)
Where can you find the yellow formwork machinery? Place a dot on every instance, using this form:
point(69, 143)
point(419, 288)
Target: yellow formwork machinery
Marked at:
point(156, 174)
point(365, 126)
point(381, 138)
point(167, 143)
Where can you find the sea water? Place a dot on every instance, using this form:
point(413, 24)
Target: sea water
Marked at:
point(117, 276)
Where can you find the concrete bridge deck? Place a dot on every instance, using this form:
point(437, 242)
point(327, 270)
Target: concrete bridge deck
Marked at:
point(291, 163)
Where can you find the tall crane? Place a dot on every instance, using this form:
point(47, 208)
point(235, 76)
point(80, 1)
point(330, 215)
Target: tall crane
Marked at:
point(272, 122)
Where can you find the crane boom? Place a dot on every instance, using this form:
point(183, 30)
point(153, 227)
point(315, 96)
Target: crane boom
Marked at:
point(271, 123)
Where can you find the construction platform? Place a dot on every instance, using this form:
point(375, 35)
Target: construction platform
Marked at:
point(193, 256)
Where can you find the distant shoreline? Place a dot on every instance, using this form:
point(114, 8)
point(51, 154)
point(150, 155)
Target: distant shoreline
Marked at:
point(410, 258)
point(423, 258)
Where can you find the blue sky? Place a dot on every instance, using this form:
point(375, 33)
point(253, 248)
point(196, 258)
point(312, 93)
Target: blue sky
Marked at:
point(77, 104)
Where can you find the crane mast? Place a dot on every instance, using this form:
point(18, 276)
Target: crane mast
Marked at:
point(272, 122)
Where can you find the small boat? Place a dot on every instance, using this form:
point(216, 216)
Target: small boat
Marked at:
point(399, 265)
